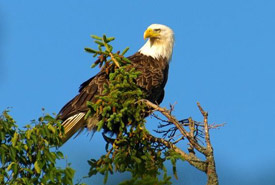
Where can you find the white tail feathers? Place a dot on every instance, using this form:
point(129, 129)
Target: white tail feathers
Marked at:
point(73, 124)
point(77, 123)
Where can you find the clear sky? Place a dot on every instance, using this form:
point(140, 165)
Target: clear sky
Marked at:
point(224, 57)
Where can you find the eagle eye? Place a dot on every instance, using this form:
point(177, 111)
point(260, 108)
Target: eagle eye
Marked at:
point(157, 30)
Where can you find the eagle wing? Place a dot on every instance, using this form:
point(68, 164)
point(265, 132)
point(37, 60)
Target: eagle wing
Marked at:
point(87, 92)
point(152, 80)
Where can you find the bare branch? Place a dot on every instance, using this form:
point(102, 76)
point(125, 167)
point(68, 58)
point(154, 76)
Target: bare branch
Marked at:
point(207, 166)
point(206, 129)
point(172, 119)
point(192, 159)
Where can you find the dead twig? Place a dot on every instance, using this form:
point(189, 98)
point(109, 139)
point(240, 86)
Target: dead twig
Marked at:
point(208, 165)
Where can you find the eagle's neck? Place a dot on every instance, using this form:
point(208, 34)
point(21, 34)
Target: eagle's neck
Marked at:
point(158, 48)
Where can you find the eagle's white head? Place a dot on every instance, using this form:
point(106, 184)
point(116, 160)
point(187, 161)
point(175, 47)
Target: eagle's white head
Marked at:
point(160, 42)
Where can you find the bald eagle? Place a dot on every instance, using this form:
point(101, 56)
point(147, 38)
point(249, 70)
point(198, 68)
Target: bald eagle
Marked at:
point(152, 61)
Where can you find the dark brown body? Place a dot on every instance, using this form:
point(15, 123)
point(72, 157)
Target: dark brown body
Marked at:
point(153, 77)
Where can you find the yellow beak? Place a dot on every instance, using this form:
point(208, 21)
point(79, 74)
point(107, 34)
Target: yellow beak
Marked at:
point(150, 33)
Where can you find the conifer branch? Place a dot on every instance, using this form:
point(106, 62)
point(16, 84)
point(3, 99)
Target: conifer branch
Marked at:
point(114, 60)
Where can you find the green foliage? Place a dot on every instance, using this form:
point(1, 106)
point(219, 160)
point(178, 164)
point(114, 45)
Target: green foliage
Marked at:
point(122, 111)
point(106, 57)
point(29, 156)
point(173, 157)
point(117, 112)
point(148, 180)
point(133, 153)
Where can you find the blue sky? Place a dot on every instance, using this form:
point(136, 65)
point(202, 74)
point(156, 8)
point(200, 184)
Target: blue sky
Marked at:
point(223, 57)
